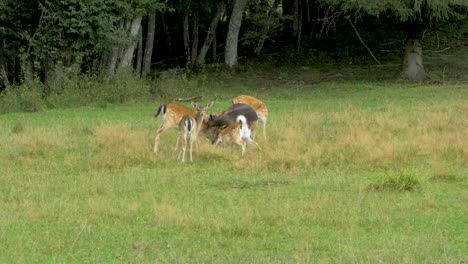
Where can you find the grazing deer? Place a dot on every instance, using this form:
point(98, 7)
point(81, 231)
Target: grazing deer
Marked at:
point(229, 117)
point(172, 115)
point(237, 132)
point(258, 106)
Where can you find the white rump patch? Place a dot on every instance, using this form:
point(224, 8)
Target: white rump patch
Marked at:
point(245, 131)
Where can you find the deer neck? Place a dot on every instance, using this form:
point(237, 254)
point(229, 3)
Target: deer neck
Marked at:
point(199, 120)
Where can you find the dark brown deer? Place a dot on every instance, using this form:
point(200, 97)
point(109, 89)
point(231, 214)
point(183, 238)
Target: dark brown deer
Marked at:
point(235, 125)
point(258, 106)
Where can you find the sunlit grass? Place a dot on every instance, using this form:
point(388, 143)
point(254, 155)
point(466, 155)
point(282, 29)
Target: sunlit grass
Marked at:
point(348, 173)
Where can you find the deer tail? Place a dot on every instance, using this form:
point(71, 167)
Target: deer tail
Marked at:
point(244, 129)
point(161, 109)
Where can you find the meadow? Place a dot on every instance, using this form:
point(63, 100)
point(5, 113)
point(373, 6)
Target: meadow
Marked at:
point(350, 172)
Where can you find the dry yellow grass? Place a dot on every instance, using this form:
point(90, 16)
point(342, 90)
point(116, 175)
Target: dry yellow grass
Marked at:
point(120, 145)
point(361, 137)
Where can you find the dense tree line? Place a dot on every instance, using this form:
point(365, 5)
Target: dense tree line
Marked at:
point(49, 40)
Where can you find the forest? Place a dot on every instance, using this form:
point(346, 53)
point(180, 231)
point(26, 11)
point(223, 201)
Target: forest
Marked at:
point(50, 41)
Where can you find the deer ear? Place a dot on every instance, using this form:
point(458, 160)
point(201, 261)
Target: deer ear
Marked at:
point(195, 105)
point(209, 105)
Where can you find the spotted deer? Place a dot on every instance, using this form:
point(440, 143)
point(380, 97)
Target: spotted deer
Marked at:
point(236, 132)
point(258, 106)
point(228, 117)
point(189, 128)
point(172, 115)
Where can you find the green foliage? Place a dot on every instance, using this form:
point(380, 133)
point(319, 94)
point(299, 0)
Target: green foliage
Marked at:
point(425, 11)
point(81, 91)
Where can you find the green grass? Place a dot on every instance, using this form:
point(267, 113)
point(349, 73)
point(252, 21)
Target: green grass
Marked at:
point(82, 185)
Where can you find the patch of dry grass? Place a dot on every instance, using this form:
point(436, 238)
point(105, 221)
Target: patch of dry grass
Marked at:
point(363, 138)
point(120, 146)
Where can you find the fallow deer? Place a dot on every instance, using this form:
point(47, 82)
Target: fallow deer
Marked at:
point(172, 114)
point(189, 129)
point(229, 117)
point(237, 132)
point(258, 106)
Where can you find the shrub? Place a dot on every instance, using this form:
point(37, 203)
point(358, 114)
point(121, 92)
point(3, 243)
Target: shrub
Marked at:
point(397, 181)
point(27, 97)
point(83, 90)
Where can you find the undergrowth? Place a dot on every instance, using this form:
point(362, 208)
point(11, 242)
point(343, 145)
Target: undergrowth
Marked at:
point(256, 78)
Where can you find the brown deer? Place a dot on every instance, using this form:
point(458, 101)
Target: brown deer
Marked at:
point(236, 132)
point(189, 128)
point(235, 125)
point(217, 122)
point(172, 115)
point(258, 106)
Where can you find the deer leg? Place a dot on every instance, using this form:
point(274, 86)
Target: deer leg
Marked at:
point(255, 143)
point(161, 130)
point(241, 143)
point(179, 147)
point(243, 147)
point(191, 145)
point(264, 129)
point(184, 147)
point(177, 143)
point(156, 141)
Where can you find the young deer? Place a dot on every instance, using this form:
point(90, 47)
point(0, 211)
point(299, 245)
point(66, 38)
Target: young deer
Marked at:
point(216, 122)
point(258, 106)
point(172, 114)
point(189, 128)
point(237, 132)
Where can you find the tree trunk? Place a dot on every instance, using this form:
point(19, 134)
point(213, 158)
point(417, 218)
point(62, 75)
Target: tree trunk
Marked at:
point(49, 71)
point(413, 68)
point(230, 54)
point(126, 25)
point(12, 68)
point(215, 55)
point(210, 36)
point(194, 40)
point(266, 27)
point(4, 82)
point(295, 18)
point(59, 72)
point(166, 33)
point(3, 77)
point(111, 61)
point(149, 43)
point(187, 37)
point(139, 52)
point(28, 71)
point(299, 25)
point(130, 50)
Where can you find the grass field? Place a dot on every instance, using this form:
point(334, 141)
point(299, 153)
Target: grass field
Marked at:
point(351, 172)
